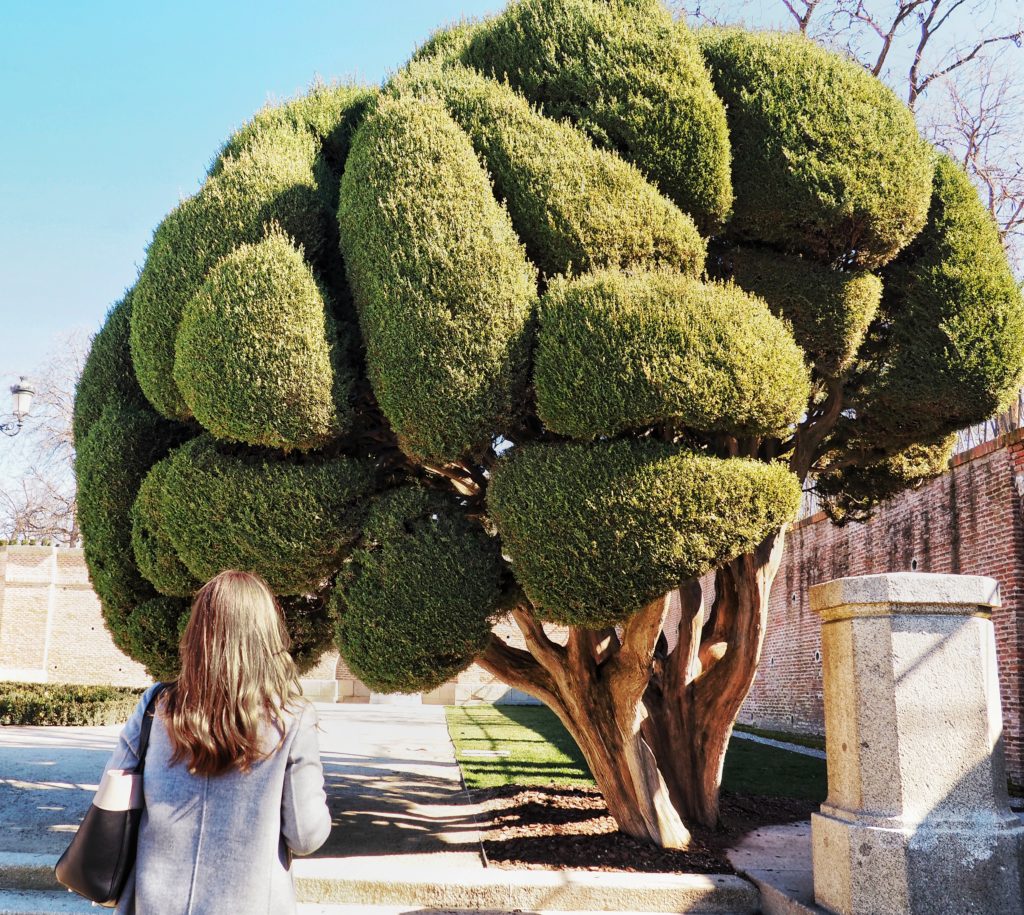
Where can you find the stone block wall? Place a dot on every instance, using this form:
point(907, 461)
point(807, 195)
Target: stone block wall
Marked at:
point(51, 628)
point(968, 521)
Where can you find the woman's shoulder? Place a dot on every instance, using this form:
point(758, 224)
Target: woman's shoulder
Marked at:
point(299, 710)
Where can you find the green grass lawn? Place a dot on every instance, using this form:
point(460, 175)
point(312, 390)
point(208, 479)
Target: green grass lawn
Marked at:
point(535, 749)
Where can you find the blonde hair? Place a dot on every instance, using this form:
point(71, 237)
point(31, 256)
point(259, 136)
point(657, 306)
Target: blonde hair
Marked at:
point(236, 676)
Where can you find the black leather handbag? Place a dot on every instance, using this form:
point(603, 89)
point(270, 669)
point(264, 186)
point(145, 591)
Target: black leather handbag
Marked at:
point(100, 857)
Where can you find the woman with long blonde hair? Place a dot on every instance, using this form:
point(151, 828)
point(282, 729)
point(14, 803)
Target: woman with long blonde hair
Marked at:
point(233, 783)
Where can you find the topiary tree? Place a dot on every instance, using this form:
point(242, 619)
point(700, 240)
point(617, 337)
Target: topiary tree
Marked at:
point(487, 342)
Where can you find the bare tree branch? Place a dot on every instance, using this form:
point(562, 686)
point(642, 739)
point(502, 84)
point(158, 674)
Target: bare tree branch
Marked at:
point(37, 485)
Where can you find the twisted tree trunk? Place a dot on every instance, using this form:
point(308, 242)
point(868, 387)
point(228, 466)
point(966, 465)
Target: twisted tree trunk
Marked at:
point(595, 683)
point(695, 693)
point(653, 726)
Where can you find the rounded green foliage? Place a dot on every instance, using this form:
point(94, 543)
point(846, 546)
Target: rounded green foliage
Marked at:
point(310, 625)
point(330, 113)
point(826, 160)
point(110, 464)
point(257, 358)
point(448, 44)
point(623, 351)
point(289, 521)
point(627, 75)
point(271, 181)
point(851, 493)
point(952, 345)
point(829, 310)
point(416, 598)
point(154, 553)
point(108, 373)
point(442, 285)
point(152, 632)
point(574, 206)
point(597, 531)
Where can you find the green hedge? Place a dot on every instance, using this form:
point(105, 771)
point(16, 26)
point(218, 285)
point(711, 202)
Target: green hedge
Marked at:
point(826, 160)
point(154, 553)
point(443, 287)
point(597, 531)
point(271, 180)
point(289, 520)
point(416, 600)
point(258, 357)
point(65, 704)
point(109, 467)
point(830, 310)
point(952, 339)
point(108, 373)
point(618, 351)
point(574, 206)
point(630, 77)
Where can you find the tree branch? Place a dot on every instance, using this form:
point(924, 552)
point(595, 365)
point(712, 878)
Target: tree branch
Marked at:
point(518, 669)
point(811, 435)
point(633, 662)
point(550, 655)
point(685, 663)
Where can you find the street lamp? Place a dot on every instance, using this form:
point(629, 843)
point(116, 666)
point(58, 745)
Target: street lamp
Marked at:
point(21, 394)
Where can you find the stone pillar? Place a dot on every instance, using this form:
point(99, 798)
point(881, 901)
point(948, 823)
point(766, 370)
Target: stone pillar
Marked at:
point(917, 820)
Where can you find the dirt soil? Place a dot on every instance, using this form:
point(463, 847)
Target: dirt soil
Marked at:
point(551, 827)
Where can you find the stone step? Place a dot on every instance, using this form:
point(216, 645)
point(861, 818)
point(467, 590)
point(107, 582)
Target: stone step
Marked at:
point(387, 881)
point(52, 902)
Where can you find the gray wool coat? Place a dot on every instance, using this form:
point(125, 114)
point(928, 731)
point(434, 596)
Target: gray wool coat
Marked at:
point(221, 845)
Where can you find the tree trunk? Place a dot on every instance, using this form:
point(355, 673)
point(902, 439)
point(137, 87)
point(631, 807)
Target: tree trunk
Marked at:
point(595, 684)
point(696, 691)
point(653, 726)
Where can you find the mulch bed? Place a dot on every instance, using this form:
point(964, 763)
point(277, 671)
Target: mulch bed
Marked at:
point(551, 827)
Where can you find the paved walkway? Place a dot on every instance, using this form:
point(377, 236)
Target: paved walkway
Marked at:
point(394, 786)
point(392, 782)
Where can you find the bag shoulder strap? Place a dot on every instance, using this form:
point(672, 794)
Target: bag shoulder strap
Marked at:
point(147, 725)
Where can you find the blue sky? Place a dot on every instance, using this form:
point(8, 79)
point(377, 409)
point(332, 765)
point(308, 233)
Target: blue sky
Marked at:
point(111, 111)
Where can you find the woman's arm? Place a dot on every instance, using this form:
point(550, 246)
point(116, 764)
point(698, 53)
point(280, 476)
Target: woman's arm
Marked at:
point(305, 819)
point(126, 754)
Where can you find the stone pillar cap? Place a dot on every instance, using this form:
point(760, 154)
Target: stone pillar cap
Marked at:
point(914, 592)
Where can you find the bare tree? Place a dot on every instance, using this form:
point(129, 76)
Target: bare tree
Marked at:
point(955, 62)
point(37, 488)
point(979, 126)
point(915, 43)
point(801, 11)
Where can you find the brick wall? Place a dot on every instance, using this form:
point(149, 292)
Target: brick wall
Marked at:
point(968, 521)
point(51, 629)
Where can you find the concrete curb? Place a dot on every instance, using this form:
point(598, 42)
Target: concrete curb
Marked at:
point(781, 745)
point(377, 881)
point(387, 881)
point(20, 871)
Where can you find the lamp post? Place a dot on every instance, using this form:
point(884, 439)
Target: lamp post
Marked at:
point(21, 393)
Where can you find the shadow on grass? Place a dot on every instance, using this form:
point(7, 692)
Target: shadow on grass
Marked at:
point(539, 750)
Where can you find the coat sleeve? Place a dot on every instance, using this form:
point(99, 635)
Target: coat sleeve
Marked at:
point(305, 819)
point(126, 753)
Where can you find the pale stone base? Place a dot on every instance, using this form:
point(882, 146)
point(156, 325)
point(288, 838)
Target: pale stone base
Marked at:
point(946, 868)
point(320, 690)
